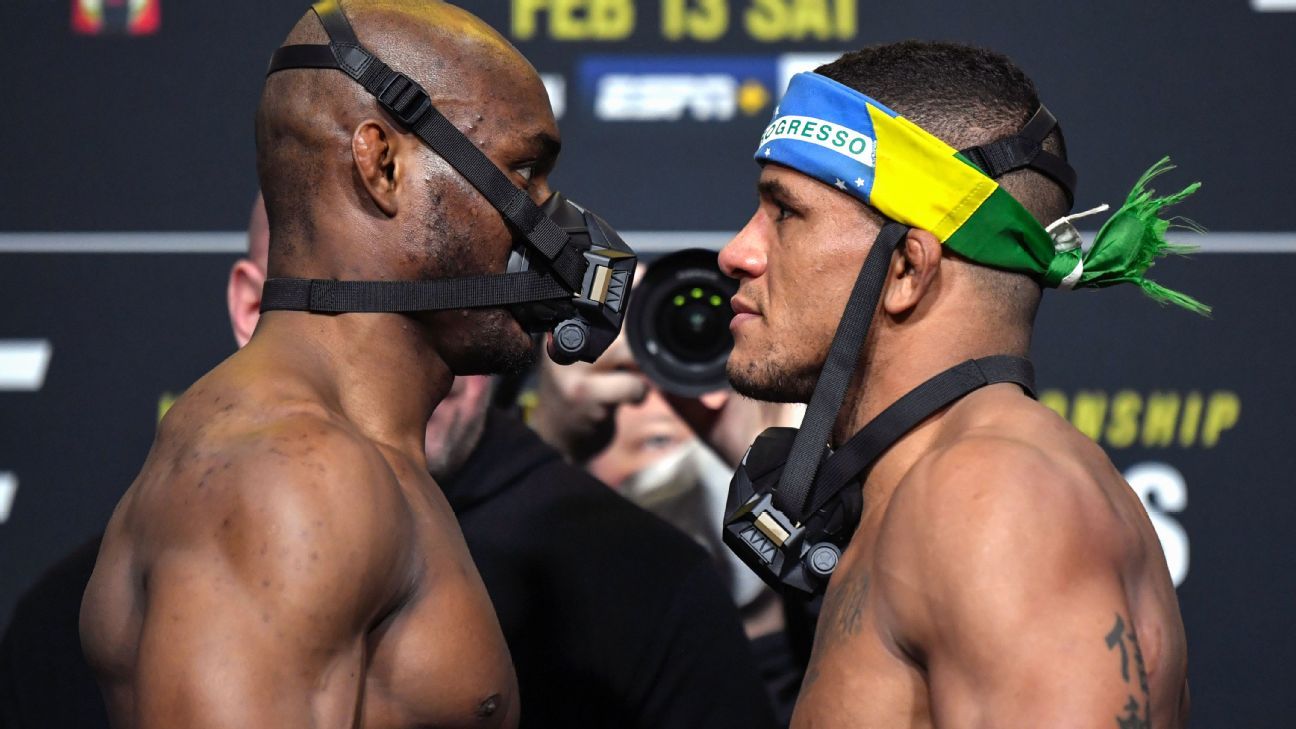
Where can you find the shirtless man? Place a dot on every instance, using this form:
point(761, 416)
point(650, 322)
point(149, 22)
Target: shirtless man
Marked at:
point(284, 559)
point(1002, 573)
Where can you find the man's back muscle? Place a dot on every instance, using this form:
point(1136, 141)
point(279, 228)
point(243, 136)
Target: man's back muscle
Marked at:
point(272, 564)
point(1001, 582)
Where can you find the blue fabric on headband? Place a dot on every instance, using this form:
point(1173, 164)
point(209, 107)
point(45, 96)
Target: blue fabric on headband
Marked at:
point(823, 129)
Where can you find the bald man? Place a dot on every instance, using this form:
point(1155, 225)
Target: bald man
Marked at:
point(284, 559)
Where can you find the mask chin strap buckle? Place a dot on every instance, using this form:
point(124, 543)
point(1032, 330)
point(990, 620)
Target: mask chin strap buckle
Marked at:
point(1025, 150)
point(404, 99)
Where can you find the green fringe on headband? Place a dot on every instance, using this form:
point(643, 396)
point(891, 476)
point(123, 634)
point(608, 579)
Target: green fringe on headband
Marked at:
point(1133, 238)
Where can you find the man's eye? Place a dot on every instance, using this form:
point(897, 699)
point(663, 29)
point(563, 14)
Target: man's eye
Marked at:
point(525, 171)
point(783, 212)
point(659, 442)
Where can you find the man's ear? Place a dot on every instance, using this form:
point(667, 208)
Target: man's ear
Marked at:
point(913, 269)
point(243, 295)
point(374, 146)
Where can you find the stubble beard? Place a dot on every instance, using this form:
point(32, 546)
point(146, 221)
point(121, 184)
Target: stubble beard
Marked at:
point(770, 380)
point(496, 345)
point(488, 340)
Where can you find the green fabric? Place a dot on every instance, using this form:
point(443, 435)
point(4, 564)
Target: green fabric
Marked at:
point(1003, 234)
point(1133, 238)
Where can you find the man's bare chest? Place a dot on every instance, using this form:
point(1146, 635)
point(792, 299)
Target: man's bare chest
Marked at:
point(439, 659)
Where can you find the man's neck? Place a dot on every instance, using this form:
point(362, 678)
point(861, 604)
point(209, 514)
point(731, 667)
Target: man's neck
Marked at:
point(381, 371)
point(903, 366)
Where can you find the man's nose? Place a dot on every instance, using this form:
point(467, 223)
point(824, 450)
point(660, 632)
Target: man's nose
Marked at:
point(540, 192)
point(744, 256)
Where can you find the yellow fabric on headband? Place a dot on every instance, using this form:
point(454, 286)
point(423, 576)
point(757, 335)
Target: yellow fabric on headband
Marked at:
point(920, 182)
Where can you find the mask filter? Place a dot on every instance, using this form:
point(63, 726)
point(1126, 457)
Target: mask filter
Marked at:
point(586, 324)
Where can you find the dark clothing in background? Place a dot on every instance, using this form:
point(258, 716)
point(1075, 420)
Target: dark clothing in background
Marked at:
point(44, 681)
point(613, 617)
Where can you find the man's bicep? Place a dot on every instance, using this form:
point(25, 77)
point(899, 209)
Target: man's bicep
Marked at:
point(208, 659)
point(1070, 662)
point(259, 617)
point(1012, 598)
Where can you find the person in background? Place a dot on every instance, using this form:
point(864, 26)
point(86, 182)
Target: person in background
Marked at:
point(610, 419)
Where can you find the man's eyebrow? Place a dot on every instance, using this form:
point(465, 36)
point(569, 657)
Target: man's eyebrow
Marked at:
point(776, 189)
point(545, 145)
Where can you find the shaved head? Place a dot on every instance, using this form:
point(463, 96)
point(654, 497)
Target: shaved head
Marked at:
point(306, 116)
point(258, 233)
point(351, 194)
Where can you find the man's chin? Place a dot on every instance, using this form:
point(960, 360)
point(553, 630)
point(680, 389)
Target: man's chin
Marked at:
point(500, 358)
point(764, 382)
point(499, 346)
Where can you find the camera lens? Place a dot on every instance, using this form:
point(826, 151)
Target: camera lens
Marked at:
point(694, 321)
point(678, 322)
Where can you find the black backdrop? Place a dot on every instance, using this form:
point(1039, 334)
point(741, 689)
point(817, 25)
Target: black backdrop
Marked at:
point(115, 133)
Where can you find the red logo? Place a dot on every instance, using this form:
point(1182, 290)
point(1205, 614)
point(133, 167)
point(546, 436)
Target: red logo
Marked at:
point(116, 17)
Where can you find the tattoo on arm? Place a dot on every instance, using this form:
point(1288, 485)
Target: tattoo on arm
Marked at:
point(1117, 638)
point(847, 606)
point(842, 615)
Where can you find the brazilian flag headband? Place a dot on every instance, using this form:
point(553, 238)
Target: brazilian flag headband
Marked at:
point(845, 139)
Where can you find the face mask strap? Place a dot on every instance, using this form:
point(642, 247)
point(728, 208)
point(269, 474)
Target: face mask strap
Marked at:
point(410, 104)
point(1025, 150)
point(830, 391)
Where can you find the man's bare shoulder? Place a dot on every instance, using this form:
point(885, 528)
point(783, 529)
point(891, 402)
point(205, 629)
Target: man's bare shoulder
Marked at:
point(236, 476)
point(1020, 475)
point(1013, 553)
point(1016, 502)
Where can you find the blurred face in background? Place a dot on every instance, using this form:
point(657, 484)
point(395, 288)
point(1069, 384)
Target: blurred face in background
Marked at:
point(456, 425)
point(645, 432)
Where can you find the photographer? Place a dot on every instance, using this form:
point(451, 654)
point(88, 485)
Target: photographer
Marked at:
point(674, 454)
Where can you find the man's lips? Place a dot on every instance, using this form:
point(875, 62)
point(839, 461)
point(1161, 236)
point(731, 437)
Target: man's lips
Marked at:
point(743, 312)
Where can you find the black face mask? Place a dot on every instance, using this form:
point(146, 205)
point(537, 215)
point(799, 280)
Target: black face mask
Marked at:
point(794, 503)
point(569, 273)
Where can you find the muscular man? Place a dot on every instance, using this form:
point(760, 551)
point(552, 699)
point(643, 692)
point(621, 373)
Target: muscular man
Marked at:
point(284, 559)
point(1002, 574)
point(613, 618)
point(568, 608)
